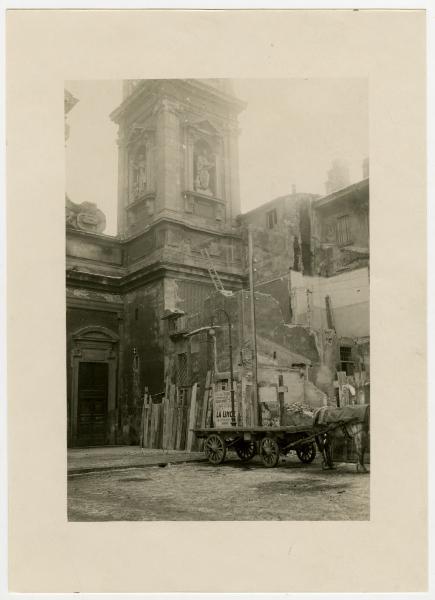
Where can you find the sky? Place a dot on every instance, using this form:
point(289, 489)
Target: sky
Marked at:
point(291, 131)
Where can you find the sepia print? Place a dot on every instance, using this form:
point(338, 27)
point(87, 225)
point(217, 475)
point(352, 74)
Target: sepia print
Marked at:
point(217, 294)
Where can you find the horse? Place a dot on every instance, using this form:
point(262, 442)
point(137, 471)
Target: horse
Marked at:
point(352, 423)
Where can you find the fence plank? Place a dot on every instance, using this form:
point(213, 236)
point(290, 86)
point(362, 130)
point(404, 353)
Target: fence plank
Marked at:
point(160, 426)
point(173, 394)
point(205, 399)
point(191, 419)
point(147, 423)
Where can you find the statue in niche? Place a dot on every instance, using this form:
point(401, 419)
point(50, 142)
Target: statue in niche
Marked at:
point(139, 174)
point(204, 171)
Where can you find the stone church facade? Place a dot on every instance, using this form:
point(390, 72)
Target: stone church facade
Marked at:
point(178, 196)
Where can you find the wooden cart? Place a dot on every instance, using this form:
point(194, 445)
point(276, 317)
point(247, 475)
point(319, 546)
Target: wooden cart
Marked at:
point(248, 441)
point(268, 442)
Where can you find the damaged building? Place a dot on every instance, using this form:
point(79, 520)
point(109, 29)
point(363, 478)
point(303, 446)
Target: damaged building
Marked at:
point(135, 300)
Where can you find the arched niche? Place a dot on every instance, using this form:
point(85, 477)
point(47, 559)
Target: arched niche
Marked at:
point(140, 164)
point(204, 147)
point(204, 168)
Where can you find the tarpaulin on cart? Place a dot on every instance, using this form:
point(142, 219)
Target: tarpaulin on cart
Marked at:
point(327, 415)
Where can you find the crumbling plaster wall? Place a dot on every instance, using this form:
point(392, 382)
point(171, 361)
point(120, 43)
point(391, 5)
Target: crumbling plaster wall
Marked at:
point(287, 245)
point(349, 295)
point(303, 342)
point(143, 331)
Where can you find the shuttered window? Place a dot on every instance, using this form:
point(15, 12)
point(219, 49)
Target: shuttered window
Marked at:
point(343, 230)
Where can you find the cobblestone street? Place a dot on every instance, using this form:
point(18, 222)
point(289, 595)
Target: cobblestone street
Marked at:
point(232, 491)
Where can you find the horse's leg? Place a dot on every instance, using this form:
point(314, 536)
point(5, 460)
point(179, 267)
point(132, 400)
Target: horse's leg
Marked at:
point(321, 444)
point(358, 436)
point(364, 438)
point(357, 441)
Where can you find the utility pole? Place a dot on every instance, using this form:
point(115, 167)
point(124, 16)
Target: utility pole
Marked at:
point(253, 322)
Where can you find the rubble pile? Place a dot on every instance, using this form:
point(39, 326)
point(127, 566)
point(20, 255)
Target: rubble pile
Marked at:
point(298, 414)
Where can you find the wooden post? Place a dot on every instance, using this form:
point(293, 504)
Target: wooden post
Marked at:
point(146, 421)
point(191, 419)
point(253, 325)
point(160, 429)
point(205, 400)
point(209, 412)
point(172, 444)
point(204, 406)
point(164, 417)
point(179, 422)
point(170, 417)
point(142, 420)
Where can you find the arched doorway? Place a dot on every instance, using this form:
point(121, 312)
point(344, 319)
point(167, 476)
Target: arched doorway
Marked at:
point(92, 410)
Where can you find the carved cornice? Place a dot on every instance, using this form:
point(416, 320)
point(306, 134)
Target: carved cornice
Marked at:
point(199, 126)
point(146, 199)
point(202, 98)
point(165, 104)
point(197, 195)
point(161, 267)
point(135, 133)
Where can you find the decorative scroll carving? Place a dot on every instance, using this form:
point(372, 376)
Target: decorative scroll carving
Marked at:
point(85, 216)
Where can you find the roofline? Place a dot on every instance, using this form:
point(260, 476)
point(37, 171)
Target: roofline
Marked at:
point(341, 193)
point(296, 196)
point(140, 89)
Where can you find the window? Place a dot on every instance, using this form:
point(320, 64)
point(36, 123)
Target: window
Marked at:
point(343, 230)
point(271, 219)
point(182, 374)
point(346, 362)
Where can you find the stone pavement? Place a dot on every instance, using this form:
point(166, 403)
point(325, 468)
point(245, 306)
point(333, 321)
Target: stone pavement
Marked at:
point(233, 491)
point(108, 458)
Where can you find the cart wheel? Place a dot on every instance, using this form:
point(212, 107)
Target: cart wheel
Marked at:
point(215, 449)
point(246, 450)
point(269, 452)
point(306, 453)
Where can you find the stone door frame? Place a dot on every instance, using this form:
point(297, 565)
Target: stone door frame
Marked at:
point(93, 344)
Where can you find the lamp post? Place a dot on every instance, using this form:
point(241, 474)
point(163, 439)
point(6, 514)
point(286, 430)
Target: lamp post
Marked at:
point(212, 333)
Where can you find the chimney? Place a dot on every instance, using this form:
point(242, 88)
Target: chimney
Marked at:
point(338, 176)
point(293, 189)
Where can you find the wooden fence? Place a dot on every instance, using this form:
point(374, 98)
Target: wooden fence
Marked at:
point(168, 422)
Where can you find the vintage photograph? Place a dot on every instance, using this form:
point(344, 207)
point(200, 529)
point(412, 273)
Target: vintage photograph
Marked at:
point(217, 299)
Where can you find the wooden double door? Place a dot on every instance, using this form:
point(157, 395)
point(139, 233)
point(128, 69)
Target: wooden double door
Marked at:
point(92, 409)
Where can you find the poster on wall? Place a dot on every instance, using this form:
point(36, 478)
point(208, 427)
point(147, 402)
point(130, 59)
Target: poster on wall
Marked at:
point(222, 409)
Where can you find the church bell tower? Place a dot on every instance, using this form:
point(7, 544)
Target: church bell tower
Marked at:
point(178, 199)
point(178, 154)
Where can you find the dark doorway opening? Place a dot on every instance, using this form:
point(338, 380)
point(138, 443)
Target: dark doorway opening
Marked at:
point(92, 403)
